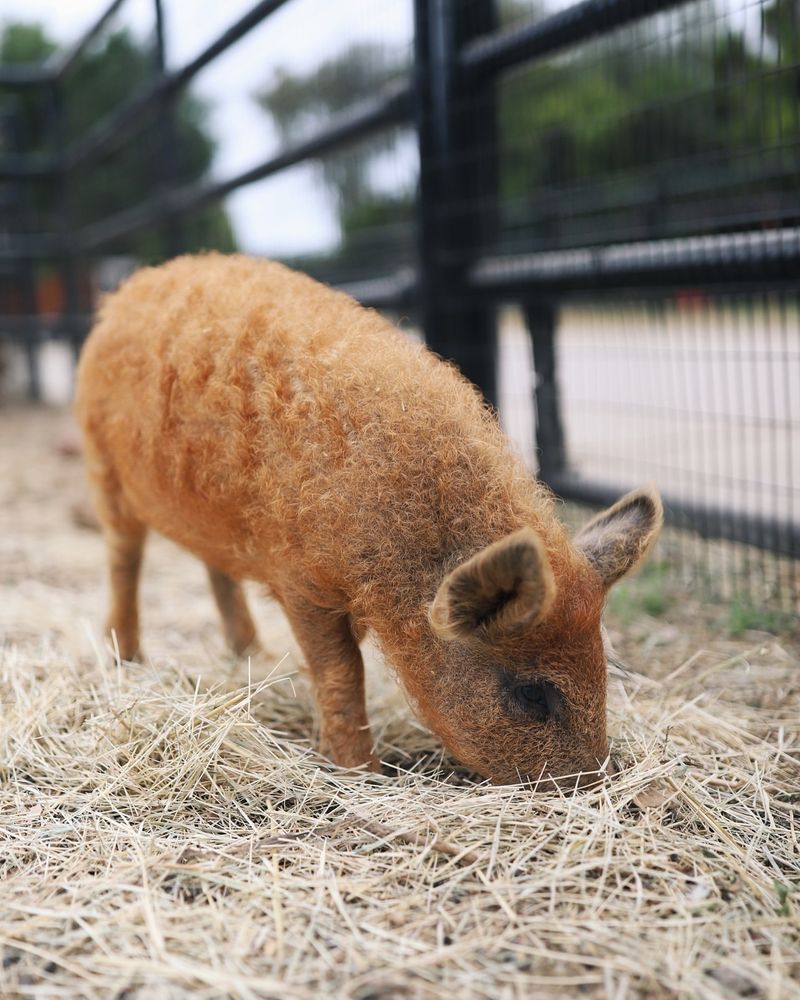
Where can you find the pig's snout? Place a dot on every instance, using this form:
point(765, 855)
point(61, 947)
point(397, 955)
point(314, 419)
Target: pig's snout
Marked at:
point(604, 770)
point(593, 774)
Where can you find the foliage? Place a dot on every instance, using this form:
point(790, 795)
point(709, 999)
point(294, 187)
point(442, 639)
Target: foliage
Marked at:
point(647, 593)
point(700, 101)
point(745, 616)
point(102, 80)
point(372, 221)
point(301, 103)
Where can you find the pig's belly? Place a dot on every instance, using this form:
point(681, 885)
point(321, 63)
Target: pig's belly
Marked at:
point(209, 534)
point(201, 513)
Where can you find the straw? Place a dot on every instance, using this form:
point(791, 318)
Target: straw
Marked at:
point(169, 830)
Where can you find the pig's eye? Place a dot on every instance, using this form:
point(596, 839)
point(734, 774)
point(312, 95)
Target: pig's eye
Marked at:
point(539, 700)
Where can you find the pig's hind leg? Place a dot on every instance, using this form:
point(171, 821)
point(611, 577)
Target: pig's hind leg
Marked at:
point(125, 548)
point(237, 623)
point(337, 671)
point(125, 538)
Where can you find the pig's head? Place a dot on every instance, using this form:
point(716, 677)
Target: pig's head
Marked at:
point(522, 692)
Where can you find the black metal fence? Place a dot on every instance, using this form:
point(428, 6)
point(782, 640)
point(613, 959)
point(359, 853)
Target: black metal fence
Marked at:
point(614, 183)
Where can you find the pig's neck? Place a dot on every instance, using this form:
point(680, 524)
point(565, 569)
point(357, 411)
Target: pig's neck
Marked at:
point(397, 596)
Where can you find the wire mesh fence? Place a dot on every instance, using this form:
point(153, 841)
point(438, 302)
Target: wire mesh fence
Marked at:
point(593, 208)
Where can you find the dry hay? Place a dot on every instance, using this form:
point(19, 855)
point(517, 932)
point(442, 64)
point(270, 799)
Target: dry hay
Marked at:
point(161, 836)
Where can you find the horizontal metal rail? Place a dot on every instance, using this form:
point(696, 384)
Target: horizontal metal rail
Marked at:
point(772, 534)
point(26, 247)
point(487, 57)
point(26, 329)
point(117, 124)
point(666, 182)
point(745, 258)
point(229, 37)
point(391, 291)
point(58, 65)
point(392, 106)
point(24, 75)
point(16, 168)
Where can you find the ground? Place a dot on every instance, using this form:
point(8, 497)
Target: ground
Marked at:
point(168, 830)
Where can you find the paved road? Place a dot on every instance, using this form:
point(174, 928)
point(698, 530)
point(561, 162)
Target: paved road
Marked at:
point(706, 403)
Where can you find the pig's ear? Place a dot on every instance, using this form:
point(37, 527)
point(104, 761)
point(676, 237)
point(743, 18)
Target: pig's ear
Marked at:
point(504, 587)
point(617, 540)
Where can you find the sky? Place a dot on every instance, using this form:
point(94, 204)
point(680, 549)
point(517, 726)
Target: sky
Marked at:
point(290, 212)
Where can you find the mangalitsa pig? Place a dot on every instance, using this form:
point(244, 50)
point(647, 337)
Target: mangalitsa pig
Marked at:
point(283, 433)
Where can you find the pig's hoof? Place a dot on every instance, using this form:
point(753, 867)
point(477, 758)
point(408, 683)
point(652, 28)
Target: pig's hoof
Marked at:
point(128, 652)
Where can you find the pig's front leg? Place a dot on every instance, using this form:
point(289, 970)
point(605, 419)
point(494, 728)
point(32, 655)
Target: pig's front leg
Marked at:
point(337, 672)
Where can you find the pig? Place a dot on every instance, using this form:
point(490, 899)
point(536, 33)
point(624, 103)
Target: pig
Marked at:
point(285, 434)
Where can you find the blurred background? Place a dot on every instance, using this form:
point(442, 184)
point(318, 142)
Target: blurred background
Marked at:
point(593, 208)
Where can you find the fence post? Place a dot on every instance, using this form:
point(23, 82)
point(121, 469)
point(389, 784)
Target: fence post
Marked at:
point(541, 318)
point(458, 186)
point(68, 265)
point(167, 167)
point(19, 210)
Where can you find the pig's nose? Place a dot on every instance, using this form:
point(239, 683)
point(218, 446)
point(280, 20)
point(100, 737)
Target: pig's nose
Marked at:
point(589, 779)
point(598, 771)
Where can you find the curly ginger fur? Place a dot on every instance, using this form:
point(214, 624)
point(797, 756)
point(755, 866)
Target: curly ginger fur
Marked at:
point(283, 433)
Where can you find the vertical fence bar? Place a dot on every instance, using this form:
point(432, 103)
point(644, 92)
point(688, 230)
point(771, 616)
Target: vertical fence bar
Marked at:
point(541, 318)
point(167, 164)
point(427, 278)
point(25, 268)
point(458, 186)
point(68, 264)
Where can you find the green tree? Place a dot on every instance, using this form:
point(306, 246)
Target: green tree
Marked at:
point(781, 22)
point(679, 112)
point(104, 78)
point(300, 104)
